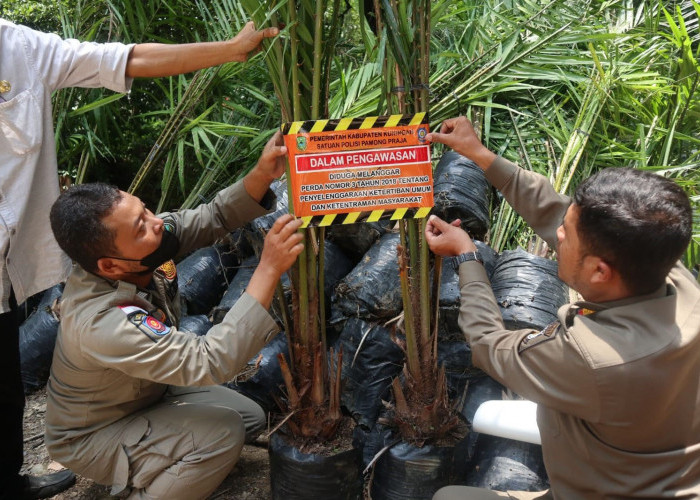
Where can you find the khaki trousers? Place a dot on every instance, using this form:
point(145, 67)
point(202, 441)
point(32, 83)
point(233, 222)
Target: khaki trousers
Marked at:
point(470, 493)
point(180, 448)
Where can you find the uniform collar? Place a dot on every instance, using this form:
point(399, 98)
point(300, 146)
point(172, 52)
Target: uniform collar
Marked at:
point(585, 308)
point(662, 291)
point(124, 291)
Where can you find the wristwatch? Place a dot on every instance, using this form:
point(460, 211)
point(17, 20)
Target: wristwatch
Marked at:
point(466, 257)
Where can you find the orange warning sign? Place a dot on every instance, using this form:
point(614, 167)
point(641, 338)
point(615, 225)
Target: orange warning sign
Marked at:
point(379, 165)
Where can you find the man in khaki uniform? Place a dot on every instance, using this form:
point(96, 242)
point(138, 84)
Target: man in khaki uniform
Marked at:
point(132, 401)
point(617, 377)
point(33, 65)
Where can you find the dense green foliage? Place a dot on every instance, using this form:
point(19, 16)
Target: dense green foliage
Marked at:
point(42, 15)
point(564, 88)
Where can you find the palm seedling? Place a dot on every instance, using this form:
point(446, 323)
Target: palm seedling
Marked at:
point(421, 409)
point(299, 62)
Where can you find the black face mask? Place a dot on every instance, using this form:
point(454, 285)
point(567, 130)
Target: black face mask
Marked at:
point(168, 248)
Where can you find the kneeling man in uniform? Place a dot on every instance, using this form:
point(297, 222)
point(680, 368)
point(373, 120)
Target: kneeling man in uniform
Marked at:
point(132, 401)
point(616, 378)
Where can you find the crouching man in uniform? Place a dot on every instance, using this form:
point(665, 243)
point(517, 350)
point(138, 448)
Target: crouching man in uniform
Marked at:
point(132, 401)
point(617, 377)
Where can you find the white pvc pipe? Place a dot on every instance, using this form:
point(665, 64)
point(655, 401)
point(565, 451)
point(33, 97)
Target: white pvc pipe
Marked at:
point(509, 419)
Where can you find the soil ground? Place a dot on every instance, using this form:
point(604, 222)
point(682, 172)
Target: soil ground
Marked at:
point(249, 480)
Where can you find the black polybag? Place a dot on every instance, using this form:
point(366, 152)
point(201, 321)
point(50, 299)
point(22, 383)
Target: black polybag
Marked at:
point(26, 308)
point(372, 441)
point(370, 361)
point(489, 255)
point(337, 265)
point(499, 463)
point(372, 289)
point(203, 276)
point(236, 288)
point(448, 324)
point(356, 239)
point(406, 472)
point(198, 324)
point(481, 389)
point(240, 244)
point(505, 464)
point(37, 339)
point(266, 383)
point(461, 191)
point(527, 289)
point(256, 229)
point(300, 476)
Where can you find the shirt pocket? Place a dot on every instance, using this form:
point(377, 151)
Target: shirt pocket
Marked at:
point(21, 123)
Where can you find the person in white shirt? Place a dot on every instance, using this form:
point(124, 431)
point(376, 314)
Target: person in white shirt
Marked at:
point(32, 66)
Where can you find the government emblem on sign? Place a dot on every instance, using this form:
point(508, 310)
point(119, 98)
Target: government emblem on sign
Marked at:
point(301, 143)
point(422, 132)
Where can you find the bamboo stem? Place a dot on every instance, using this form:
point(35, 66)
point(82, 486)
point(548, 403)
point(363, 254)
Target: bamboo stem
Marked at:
point(318, 393)
point(400, 94)
point(294, 64)
point(412, 352)
point(425, 54)
point(412, 244)
point(284, 312)
point(318, 53)
point(435, 305)
point(282, 89)
point(312, 288)
point(82, 167)
point(424, 288)
point(328, 53)
point(302, 325)
point(322, 284)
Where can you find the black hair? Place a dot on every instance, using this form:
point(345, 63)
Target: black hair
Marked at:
point(76, 221)
point(637, 221)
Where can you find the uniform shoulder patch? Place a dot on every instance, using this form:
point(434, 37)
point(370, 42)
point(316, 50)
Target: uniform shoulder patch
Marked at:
point(535, 339)
point(153, 328)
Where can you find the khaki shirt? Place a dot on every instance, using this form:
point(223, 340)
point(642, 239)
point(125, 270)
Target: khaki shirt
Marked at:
point(617, 384)
point(118, 347)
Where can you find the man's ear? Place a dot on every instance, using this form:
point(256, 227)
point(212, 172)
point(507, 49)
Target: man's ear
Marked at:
point(603, 273)
point(108, 267)
point(605, 282)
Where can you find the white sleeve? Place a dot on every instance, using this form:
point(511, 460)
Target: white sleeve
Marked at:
point(71, 63)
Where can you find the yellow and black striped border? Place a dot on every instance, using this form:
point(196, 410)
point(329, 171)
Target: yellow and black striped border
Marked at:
point(342, 124)
point(371, 216)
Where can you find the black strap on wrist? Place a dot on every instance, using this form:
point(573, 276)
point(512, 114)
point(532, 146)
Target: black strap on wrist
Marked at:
point(466, 257)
